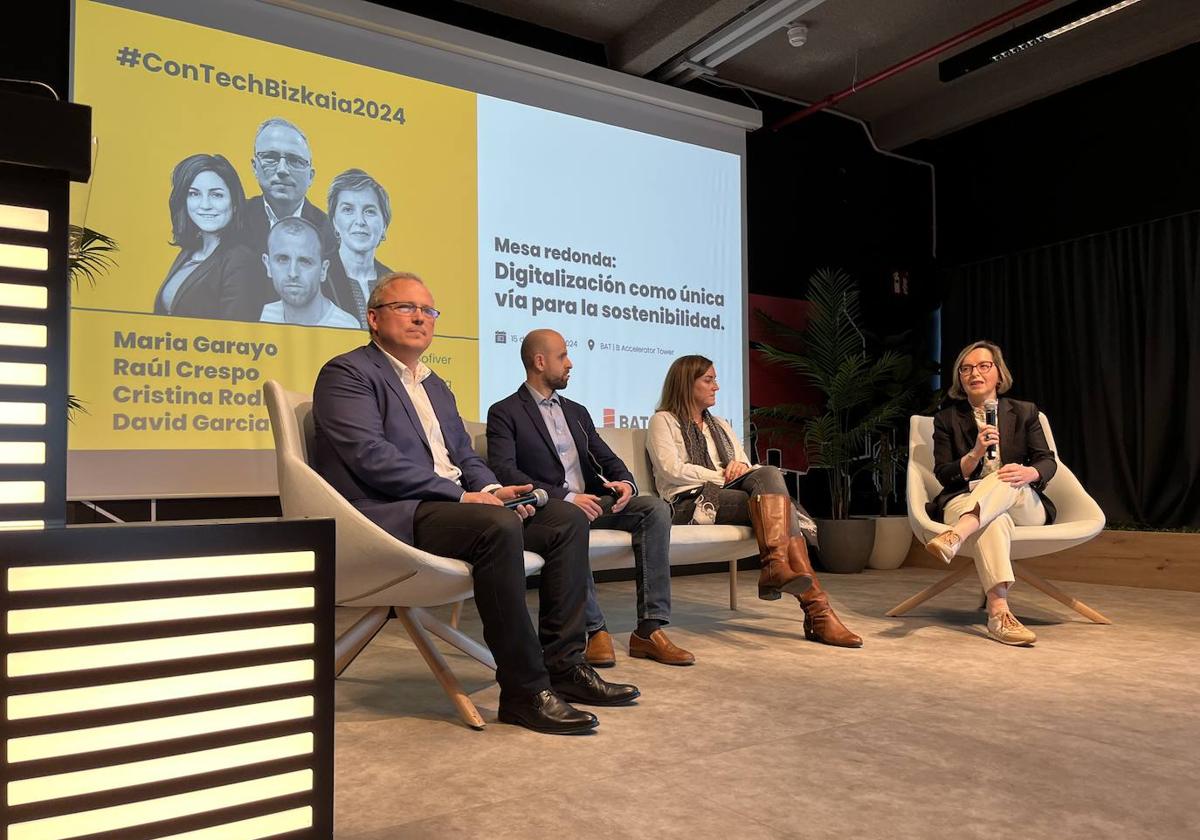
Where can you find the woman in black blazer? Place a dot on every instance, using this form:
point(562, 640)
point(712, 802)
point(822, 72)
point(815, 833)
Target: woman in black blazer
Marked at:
point(993, 477)
point(214, 276)
point(360, 211)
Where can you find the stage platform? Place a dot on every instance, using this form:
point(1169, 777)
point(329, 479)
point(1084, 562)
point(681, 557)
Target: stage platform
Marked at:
point(930, 731)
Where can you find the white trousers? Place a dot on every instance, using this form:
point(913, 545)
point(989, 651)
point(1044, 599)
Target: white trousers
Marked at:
point(1001, 506)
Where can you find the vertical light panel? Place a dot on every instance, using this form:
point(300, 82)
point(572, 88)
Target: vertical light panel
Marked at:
point(33, 313)
point(168, 681)
point(35, 219)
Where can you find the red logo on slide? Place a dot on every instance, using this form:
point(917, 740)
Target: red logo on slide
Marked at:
point(610, 418)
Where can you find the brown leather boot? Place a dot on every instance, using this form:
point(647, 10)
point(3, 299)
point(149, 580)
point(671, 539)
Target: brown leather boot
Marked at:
point(821, 623)
point(771, 517)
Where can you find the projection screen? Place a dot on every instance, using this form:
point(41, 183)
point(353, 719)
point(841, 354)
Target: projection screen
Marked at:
point(527, 190)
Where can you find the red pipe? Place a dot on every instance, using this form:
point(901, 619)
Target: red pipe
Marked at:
point(950, 43)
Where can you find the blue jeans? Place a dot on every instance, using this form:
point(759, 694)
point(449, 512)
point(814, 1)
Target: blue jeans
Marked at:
point(648, 519)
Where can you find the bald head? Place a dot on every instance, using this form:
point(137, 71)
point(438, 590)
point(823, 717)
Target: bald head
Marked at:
point(538, 341)
point(544, 354)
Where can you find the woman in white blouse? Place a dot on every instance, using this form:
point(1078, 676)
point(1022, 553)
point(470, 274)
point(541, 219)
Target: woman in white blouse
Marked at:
point(701, 469)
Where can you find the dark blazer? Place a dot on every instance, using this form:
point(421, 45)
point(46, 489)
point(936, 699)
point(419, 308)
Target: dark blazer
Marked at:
point(255, 227)
point(226, 285)
point(1022, 441)
point(521, 451)
point(370, 446)
point(337, 287)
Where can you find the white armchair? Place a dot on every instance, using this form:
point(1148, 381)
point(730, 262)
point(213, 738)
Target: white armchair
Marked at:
point(1079, 519)
point(374, 569)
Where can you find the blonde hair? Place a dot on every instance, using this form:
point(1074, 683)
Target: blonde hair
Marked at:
point(677, 387)
point(1006, 378)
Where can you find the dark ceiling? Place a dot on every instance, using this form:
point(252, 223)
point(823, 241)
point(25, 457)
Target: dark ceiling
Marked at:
point(849, 40)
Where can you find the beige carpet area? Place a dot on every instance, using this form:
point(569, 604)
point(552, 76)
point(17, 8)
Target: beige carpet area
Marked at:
point(930, 731)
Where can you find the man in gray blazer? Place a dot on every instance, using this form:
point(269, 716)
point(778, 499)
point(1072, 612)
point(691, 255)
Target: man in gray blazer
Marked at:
point(389, 438)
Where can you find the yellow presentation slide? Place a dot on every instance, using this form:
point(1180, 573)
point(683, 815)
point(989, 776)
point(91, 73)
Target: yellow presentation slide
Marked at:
point(205, 141)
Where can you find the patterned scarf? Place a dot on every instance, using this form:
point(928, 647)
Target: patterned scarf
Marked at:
point(697, 449)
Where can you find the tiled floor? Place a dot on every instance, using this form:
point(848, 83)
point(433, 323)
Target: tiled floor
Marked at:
point(929, 731)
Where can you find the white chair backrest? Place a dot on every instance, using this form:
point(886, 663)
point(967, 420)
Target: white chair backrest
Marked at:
point(478, 434)
point(294, 426)
point(920, 460)
point(630, 446)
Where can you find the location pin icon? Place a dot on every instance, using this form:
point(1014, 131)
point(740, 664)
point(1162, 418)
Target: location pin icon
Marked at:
point(591, 344)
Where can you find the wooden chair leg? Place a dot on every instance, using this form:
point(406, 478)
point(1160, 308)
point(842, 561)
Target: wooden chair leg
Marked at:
point(733, 570)
point(924, 595)
point(456, 614)
point(1040, 583)
point(454, 636)
point(350, 644)
point(450, 684)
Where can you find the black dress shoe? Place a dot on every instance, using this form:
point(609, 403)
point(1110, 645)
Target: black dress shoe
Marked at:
point(581, 684)
point(547, 712)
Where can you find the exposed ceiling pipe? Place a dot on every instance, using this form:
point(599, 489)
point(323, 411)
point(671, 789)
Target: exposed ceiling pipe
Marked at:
point(737, 35)
point(912, 61)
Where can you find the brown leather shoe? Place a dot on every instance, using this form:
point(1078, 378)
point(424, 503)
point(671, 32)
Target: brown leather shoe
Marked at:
point(600, 653)
point(659, 648)
point(771, 517)
point(821, 623)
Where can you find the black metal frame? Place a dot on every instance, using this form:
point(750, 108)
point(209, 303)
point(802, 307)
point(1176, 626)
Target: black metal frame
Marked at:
point(36, 168)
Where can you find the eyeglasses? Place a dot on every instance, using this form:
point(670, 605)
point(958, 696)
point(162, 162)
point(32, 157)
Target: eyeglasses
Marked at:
point(982, 367)
point(270, 160)
point(406, 308)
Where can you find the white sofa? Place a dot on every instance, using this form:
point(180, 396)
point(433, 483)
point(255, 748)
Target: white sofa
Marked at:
point(690, 544)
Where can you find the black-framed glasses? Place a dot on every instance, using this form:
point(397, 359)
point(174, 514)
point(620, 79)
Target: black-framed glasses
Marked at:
point(982, 367)
point(403, 307)
point(270, 160)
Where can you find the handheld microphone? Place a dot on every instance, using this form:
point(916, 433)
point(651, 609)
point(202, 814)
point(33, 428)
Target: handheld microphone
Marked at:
point(989, 417)
point(537, 498)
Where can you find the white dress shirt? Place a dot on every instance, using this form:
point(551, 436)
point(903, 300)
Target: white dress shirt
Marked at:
point(272, 218)
point(673, 474)
point(442, 465)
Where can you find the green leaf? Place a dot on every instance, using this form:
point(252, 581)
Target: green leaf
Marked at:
point(89, 254)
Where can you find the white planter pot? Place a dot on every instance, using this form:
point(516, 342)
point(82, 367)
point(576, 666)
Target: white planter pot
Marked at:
point(893, 537)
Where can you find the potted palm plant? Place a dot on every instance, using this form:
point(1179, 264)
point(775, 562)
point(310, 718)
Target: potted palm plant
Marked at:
point(89, 255)
point(832, 359)
point(911, 389)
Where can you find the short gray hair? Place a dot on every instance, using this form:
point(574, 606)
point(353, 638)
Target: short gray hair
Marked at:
point(356, 179)
point(376, 297)
point(280, 121)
